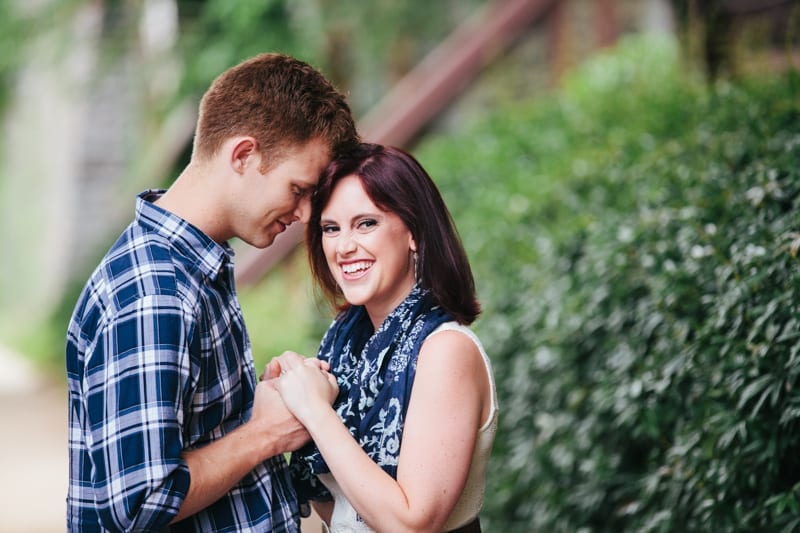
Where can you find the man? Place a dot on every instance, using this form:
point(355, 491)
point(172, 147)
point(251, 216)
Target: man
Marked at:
point(168, 425)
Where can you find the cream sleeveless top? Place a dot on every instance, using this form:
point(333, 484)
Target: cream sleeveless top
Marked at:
point(345, 518)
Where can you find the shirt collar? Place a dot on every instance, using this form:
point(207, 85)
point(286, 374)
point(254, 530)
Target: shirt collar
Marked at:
point(209, 255)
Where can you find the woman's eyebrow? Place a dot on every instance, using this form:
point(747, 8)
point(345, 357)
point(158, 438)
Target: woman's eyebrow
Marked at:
point(353, 218)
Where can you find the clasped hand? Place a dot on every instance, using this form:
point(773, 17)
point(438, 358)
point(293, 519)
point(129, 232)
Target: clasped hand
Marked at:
point(305, 384)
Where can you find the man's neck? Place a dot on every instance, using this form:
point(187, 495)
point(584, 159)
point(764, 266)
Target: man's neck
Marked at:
point(194, 198)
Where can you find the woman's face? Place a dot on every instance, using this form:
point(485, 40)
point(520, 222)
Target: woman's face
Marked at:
point(369, 251)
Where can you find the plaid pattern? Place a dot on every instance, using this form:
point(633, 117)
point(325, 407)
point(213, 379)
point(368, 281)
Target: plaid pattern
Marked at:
point(158, 360)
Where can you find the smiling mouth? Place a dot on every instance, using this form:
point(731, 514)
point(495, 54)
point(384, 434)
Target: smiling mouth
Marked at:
point(356, 269)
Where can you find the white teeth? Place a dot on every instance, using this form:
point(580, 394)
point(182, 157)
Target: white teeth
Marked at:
point(355, 267)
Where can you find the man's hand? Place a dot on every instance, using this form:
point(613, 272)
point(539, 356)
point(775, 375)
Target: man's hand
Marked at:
point(272, 418)
point(215, 468)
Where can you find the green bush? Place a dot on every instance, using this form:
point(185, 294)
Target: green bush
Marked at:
point(635, 242)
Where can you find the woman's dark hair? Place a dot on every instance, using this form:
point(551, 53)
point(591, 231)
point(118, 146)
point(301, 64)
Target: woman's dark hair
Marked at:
point(397, 183)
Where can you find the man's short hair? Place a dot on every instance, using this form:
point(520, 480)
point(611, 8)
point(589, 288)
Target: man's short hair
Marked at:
point(280, 101)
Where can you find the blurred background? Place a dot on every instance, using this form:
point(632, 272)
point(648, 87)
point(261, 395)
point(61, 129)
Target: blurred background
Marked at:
point(623, 173)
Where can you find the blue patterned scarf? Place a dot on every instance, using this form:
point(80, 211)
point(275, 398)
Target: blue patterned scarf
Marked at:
point(375, 372)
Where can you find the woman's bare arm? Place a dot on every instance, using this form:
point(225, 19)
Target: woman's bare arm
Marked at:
point(448, 403)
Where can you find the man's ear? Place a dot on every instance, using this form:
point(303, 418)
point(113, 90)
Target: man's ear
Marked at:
point(242, 152)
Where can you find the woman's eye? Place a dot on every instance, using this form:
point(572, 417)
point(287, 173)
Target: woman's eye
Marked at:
point(330, 229)
point(367, 223)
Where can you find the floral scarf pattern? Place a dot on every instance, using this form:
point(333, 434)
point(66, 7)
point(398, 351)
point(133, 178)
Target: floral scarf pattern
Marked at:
point(375, 373)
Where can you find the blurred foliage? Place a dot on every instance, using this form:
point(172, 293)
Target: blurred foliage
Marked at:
point(278, 314)
point(362, 47)
point(635, 240)
point(11, 28)
point(21, 24)
point(726, 38)
point(366, 46)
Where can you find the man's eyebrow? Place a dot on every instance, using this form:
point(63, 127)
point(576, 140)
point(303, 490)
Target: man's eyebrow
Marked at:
point(305, 187)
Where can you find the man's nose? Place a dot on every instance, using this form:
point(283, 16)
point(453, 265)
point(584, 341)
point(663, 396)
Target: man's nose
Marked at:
point(303, 211)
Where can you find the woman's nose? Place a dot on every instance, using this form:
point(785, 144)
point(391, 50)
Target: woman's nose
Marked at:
point(346, 243)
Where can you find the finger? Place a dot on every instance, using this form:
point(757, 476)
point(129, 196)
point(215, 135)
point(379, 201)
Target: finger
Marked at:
point(289, 364)
point(271, 370)
point(313, 361)
point(332, 381)
point(319, 363)
point(289, 355)
point(290, 359)
point(265, 387)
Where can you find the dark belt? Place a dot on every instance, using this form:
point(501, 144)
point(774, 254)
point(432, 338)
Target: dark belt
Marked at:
point(472, 527)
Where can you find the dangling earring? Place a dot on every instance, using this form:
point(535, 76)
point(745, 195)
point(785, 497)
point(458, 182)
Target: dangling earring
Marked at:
point(416, 267)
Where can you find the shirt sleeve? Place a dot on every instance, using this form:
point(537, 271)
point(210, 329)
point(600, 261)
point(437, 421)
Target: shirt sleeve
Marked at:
point(135, 383)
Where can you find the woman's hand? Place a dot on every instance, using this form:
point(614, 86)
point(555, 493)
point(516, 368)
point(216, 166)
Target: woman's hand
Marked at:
point(306, 386)
point(277, 364)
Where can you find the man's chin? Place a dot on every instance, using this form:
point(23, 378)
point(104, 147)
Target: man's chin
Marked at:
point(261, 242)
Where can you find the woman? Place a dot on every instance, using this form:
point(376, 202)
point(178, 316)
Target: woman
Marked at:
point(405, 445)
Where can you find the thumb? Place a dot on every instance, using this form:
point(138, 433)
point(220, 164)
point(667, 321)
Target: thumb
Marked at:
point(272, 370)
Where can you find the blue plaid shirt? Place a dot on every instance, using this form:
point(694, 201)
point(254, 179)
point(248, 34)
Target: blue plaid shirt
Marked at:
point(159, 361)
